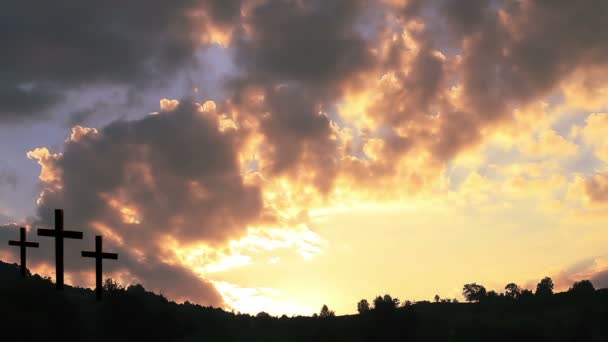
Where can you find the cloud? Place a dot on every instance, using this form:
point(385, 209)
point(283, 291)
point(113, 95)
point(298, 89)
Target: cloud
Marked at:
point(68, 45)
point(594, 269)
point(314, 42)
point(8, 176)
point(9, 231)
point(525, 49)
point(594, 187)
point(503, 55)
point(600, 280)
point(593, 134)
point(597, 188)
point(328, 100)
point(294, 59)
point(147, 184)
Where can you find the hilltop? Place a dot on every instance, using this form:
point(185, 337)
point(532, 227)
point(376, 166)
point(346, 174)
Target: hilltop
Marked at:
point(32, 310)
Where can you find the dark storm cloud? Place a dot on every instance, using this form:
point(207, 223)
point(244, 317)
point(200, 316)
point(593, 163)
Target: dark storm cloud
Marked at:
point(511, 54)
point(523, 54)
point(22, 101)
point(51, 47)
point(300, 54)
point(465, 16)
point(300, 135)
point(309, 41)
point(174, 166)
point(147, 183)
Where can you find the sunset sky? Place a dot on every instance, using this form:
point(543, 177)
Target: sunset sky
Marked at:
point(278, 155)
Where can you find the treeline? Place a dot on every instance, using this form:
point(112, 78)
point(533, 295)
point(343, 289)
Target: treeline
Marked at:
point(32, 310)
point(472, 293)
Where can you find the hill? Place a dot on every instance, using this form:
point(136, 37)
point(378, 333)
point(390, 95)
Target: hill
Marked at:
point(33, 311)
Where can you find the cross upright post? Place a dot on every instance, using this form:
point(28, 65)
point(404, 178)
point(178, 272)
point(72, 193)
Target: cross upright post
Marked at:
point(59, 234)
point(23, 244)
point(99, 255)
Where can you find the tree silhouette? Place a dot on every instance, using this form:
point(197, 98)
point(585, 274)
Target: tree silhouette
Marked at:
point(437, 298)
point(545, 287)
point(386, 303)
point(582, 287)
point(325, 312)
point(512, 290)
point(363, 306)
point(474, 292)
point(110, 286)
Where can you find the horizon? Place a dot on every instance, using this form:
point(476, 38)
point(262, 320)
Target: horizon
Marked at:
point(279, 155)
point(471, 294)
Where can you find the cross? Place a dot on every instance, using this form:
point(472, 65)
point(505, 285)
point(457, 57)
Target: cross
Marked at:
point(23, 244)
point(59, 234)
point(99, 256)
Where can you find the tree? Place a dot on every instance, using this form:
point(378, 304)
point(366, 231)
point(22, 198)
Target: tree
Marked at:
point(512, 290)
point(110, 285)
point(473, 292)
point(395, 301)
point(325, 312)
point(437, 298)
point(582, 287)
point(386, 303)
point(545, 287)
point(363, 306)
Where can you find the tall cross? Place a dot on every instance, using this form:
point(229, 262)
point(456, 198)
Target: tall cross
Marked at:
point(99, 255)
point(59, 234)
point(23, 244)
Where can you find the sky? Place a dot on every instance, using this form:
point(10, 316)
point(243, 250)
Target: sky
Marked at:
point(278, 155)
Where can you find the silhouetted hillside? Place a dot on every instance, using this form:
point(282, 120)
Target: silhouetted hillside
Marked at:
point(33, 310)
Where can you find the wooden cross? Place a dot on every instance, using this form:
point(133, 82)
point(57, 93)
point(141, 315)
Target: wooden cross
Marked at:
point(59, 234)
point(99, 255)
point(23, 244)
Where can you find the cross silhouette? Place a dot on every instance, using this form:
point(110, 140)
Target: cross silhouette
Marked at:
point(59, 234)
point(23, 244)
point(99, 256)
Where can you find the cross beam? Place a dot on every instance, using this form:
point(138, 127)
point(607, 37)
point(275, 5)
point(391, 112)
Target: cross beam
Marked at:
point(99, 255)
point(23, 244)
point(59, 234)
